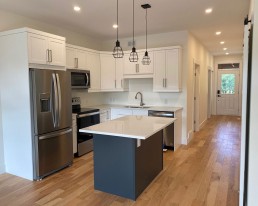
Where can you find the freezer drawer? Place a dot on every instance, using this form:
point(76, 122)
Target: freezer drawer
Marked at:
point(55, 151)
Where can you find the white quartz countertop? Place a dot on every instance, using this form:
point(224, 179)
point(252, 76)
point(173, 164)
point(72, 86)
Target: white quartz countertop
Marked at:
point(138, 127)
point(146, 107)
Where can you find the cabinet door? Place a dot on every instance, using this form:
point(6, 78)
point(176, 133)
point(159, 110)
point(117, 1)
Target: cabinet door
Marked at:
point(107, 72)
point(37, 48)
point(117, 113)
point(93, 64)
point(70, 58)
point(57, 50)
point(119, 73)
point(140, 112)
point(81, 59)
point(129, 67)
point(159, 70)
point(145, 69)
point(172, 82)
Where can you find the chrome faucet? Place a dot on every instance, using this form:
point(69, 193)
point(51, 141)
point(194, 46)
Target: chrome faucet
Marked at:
point(141, 103)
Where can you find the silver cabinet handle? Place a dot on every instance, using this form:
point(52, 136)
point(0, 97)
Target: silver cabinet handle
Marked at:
point(115, 83)
point(137, 65)
point(47, 55)
point(163, 82)
point(121, 83)
point(166, 82)
point(50, 52)
point(75, 62)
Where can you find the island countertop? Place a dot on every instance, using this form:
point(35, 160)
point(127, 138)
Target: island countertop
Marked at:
point(138, 127)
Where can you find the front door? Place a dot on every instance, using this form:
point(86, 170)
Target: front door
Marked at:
point(228, 92)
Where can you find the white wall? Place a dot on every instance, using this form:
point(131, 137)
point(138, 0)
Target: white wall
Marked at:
point(14, 21)
point(2, 164)
point(198, 54)
point(236, 58)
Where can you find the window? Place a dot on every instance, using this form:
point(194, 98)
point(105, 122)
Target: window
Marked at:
point(228, 83)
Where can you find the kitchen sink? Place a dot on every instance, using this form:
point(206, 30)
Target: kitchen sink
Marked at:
point(140, 107)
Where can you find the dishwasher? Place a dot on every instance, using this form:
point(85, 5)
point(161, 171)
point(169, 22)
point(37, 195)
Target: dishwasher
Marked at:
point(168, 132)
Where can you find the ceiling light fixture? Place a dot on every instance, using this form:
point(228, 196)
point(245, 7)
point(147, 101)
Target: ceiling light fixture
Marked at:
point(222, 42)
point(208, 11)
point(115, 26)
point(133, 55)
point(225, 49)
point(76, 8)
point(218, 33)
point(227, 53)
point(146, 59)
point(118, 51)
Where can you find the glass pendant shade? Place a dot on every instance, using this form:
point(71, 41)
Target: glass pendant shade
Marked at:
point(146, 59)
point(133, 55)
point(118, 51)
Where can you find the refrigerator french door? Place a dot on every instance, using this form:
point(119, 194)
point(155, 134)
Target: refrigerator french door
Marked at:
point(52, 121)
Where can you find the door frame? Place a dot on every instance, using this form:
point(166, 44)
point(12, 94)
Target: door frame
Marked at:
point(210, 91)
point(229, 61)
point(196, 96)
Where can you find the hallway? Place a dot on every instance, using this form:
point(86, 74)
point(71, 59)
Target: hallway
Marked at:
point(205, 172)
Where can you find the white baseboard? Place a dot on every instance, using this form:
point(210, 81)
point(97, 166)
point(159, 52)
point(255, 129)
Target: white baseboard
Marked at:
point(190, 136)
point(2, 169)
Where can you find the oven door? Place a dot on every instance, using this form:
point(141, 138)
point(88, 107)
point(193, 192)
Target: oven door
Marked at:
point(85, 140)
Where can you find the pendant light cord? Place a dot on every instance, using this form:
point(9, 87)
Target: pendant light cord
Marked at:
point(146, 28)
point(133, 23)
point(117, 20)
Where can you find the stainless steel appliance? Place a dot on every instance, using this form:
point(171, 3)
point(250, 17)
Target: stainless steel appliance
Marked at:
point(80, 79)
point(85, 117)
point(168, 132)
point(52, 120)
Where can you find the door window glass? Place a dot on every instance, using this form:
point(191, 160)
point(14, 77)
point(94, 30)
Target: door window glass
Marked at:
point(228, 83)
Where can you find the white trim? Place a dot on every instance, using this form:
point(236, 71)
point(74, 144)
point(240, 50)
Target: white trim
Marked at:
point(190, 136)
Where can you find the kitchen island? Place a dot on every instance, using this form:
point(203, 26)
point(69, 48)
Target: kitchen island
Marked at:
point(127, 153)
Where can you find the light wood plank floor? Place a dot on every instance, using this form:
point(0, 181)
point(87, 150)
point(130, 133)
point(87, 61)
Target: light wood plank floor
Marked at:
point(206, 172)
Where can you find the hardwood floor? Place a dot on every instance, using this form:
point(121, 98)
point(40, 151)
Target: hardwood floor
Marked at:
point(205, 172)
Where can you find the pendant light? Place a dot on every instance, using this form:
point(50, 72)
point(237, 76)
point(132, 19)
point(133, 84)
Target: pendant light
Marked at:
point(146, 59)
point(118, 51)
point(133, 55)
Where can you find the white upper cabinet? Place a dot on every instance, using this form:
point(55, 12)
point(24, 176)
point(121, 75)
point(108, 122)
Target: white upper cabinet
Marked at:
point(167, 70)
point(44, 49)
point(137, 68)
point(112, 73)
point(76, 58)
point(93, 64)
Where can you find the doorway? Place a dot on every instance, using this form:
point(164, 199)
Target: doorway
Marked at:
point(196, 99)
point(227, 97)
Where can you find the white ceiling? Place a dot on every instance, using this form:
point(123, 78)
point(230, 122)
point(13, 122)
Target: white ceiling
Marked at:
point(97, 17)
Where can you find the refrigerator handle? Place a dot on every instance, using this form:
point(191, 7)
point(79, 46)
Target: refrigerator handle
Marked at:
point(55, 99)
point(54, 134)
point(59, 100)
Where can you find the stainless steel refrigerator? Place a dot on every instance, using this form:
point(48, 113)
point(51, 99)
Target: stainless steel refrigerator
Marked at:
point(52, 121)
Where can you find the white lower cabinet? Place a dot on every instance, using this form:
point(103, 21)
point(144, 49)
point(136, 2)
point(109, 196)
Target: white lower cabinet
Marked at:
point(104, 115)
point(120, 112)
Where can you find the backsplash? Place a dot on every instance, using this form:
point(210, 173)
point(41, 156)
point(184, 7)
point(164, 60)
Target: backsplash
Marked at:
point(135, 85)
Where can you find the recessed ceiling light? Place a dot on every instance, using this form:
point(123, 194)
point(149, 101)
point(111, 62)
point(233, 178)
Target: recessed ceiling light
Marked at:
point(218, 33)
point(76, 8)
point(115, 26)
point(222, 42)
point(208, 11)
point(227, 53)
point(225, 49)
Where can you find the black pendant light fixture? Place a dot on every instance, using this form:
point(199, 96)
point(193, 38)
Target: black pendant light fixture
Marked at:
point(133, 55)
point(118, 51)
point(146, 59)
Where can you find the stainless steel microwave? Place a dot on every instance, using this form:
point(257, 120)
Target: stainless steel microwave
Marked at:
point(80, 79)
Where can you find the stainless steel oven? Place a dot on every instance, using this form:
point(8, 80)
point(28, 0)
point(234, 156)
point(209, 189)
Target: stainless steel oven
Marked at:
point(86, 119)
